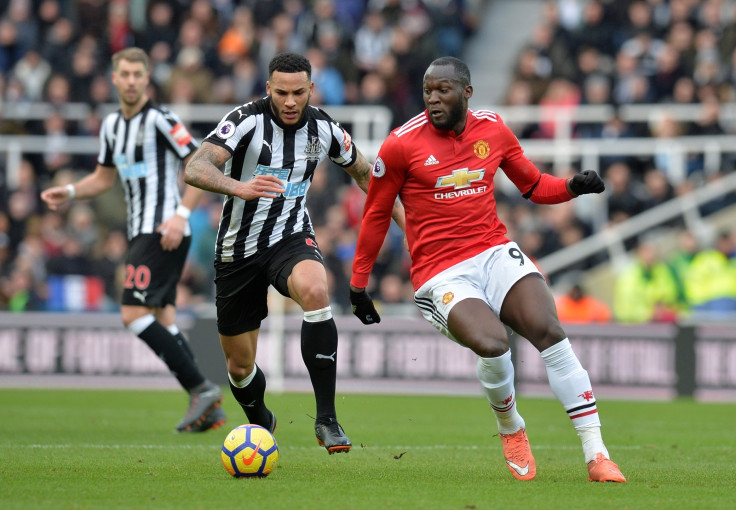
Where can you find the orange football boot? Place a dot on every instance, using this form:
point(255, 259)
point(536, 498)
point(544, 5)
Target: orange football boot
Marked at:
point(518, 455)
point(602, 469)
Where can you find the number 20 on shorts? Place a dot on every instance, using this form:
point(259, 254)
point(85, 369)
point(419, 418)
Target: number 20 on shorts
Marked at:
point(137, 277)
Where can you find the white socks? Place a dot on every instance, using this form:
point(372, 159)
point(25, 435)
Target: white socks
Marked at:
point(244, 382)
point(139, 325)
point(323, 314)
point(571, 385)
point(496, 376)
point(592, 442)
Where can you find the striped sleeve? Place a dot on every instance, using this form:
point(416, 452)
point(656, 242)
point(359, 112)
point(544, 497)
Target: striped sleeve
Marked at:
point(342, 149)
point(176, 134)
point(234, 127)
point(106, 149)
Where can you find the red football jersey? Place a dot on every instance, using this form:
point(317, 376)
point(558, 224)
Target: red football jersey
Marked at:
point(445, 183)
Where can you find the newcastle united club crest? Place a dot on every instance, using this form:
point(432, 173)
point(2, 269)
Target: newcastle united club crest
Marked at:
point(313, 149)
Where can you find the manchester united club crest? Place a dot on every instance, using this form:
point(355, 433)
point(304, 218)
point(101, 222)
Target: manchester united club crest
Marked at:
point(449, 296)
point(482, 149)
point(587, 395)
point(313, 149)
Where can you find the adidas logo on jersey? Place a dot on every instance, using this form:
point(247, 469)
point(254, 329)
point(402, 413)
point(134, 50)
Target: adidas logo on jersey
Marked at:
point(431, 160)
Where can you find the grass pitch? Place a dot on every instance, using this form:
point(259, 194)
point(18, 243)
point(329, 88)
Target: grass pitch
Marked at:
point(91, 449)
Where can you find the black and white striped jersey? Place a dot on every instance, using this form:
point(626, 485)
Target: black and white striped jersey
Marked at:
point(147, 151)
point(260, 144)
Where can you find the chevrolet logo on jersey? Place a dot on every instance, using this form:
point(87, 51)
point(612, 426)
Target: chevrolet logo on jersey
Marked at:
point(460, 178)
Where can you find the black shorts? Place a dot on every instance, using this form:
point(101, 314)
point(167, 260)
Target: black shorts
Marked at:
point(151, 273)
point(242, 286)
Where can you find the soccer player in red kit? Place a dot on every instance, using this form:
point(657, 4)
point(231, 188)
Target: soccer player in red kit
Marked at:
point(469, 279)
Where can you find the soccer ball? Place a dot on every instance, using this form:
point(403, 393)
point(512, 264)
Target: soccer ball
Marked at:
point(249, 451)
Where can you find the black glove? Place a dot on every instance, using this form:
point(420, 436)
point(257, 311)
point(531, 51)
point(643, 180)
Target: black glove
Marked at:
point(363, 307)
point(587, 182)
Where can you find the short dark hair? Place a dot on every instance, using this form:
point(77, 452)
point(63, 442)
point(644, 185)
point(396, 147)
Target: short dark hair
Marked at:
point(462, 73)
point(289, 62)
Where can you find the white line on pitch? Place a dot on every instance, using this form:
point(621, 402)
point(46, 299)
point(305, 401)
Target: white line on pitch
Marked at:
point(101, 446)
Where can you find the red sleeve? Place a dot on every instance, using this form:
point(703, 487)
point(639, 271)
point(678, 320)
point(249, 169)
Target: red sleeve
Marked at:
point(549, 190)
point(387, 178)
point(535, 186)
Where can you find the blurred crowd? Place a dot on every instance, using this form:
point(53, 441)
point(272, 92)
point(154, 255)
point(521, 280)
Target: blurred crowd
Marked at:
point(693, 279)
point(628, 52)
point(690, 277)
point(362, 52)
point(370, 52)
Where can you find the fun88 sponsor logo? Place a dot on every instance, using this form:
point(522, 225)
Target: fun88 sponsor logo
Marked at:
point(134, 171)
point(293, 189)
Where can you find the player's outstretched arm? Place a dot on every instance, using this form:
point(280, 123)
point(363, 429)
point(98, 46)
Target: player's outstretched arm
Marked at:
point(360, 171)
point(542, 188)
point(203, 171)
point(192, 194)
point(96, 183)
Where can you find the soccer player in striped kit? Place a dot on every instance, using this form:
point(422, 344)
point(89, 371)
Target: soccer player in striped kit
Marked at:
point(146, 145)
point(470, 280)
point(268, 151)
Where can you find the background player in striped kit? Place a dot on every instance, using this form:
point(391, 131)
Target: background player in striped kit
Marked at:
point(268, 151)
point(146, 144)
point(469, 279)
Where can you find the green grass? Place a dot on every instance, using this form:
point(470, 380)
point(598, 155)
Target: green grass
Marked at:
point(89, 449)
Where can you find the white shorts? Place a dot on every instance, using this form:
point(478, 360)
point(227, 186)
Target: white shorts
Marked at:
point(488, 276)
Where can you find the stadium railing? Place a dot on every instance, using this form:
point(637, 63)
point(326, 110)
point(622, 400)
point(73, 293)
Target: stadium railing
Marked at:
point(612, 240)
point(368, 125)
point(371, 124)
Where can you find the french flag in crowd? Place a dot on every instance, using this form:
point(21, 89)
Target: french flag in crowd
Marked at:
point(75, 293)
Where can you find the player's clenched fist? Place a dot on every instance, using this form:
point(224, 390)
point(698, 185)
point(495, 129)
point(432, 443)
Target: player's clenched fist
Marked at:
point(587, 182)
point(363, 307)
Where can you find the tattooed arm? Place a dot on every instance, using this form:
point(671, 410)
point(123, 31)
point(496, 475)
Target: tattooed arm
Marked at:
point(203, 171)
point(360, 171)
